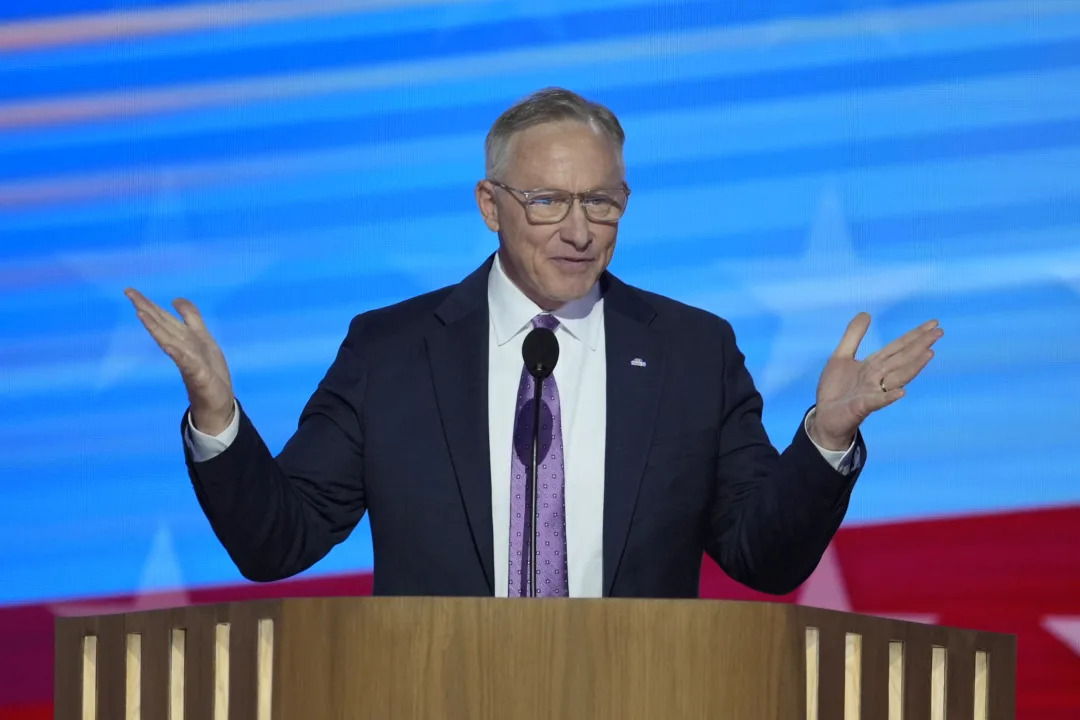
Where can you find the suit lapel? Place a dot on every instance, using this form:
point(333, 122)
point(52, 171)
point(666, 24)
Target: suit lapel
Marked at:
point(458, 353)
point(635, 362)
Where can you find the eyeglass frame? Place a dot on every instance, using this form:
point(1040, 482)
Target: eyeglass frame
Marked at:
point(579, 197)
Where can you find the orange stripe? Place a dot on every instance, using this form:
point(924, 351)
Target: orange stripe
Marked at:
point(134, 103)
point(34, 34)
point(126, 182)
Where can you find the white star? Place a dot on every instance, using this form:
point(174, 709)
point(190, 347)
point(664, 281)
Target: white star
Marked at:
point(161, 584)
point(818, 296)
point(826, 589)
point(169, 262)
point(1064, 628)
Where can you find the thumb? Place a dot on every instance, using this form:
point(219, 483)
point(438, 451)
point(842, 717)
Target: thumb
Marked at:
point(856, 331)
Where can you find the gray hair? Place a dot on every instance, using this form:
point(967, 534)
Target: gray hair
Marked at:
point(544, 106)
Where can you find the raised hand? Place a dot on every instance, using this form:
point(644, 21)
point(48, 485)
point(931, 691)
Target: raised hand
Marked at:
point(200, 361)
point(850, 389)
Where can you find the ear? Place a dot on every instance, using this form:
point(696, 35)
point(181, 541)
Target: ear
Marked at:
point(485, 200)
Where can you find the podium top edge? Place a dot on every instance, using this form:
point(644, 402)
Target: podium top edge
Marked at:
point(82, 613)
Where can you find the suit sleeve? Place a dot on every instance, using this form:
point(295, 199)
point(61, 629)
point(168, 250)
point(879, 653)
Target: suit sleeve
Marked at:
point(774, 512)
point(277, 516)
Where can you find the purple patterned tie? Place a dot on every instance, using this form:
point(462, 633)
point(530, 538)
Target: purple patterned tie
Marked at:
point(551, 580)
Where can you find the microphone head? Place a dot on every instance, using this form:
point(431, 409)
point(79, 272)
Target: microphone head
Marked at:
point(540, 352)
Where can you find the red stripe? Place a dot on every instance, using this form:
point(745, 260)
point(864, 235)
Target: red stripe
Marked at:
point(40, 711)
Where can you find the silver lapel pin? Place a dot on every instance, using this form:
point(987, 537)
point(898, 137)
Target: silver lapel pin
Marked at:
point(637, 362)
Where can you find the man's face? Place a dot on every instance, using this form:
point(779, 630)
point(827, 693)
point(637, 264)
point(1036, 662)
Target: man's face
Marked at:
point(554, 263)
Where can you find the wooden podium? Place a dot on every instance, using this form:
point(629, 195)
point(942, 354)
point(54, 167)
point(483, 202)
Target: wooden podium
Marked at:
point(478, 658)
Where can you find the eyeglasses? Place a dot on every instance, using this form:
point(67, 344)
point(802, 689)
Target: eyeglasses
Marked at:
point(545, 207)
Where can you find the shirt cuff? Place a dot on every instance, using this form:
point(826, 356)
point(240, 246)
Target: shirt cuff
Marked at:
point(205, 447)
point(843, 461)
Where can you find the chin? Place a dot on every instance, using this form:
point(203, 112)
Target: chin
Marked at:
point(569, 292)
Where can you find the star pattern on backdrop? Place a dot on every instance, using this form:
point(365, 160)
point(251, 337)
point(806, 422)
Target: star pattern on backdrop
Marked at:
point(160, 586)
point(170, 261)
point(1065, 628)
point(816, 296)
point(826, 588)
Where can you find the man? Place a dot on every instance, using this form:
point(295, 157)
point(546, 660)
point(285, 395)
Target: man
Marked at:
point(653, 447)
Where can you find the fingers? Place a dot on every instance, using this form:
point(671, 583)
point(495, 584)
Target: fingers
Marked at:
point(856, 331)
point(922, 336)
point(165, 335)
point(171, 335)
point(163, 327)
point(187, 310)
point(138, 300)
point(888, 398)
point(902, 375)
point(904, 365)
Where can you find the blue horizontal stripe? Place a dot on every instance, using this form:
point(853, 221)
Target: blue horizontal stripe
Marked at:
point(357, 25)
point(512, 33)
point(361, 284)
point(305, 135)
point(344, 200)
point(425, 97)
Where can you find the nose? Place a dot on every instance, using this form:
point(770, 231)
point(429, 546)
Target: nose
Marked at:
point(575, 228)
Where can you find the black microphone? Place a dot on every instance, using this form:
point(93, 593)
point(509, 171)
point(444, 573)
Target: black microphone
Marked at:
point(540, 352)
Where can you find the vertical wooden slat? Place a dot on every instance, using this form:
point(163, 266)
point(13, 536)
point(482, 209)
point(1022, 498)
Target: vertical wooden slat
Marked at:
point(133, 677)
point(852, 676)
point(896, 679)
point(265, 668)
point(813, 671)
point(89, 702)
point(222, 631)
point(939, 659)
point(177, 675)
point(981, 686)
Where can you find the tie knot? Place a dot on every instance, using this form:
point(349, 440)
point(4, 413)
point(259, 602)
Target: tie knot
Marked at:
point(549, 322)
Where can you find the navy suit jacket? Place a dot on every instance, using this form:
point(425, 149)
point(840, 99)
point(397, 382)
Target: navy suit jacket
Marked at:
point(398, 428)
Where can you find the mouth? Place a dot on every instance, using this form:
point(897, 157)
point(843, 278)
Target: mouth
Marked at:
point(573, 266)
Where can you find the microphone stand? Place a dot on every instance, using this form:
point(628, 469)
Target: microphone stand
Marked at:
point(534, 517)
point(540, 352)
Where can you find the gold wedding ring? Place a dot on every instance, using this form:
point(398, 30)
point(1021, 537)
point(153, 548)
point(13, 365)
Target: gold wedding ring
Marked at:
point(881, 384)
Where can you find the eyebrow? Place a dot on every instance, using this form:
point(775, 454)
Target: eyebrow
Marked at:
point(599, 188)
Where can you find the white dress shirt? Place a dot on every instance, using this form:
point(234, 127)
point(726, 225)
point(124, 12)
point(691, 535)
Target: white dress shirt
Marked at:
point(581, 376)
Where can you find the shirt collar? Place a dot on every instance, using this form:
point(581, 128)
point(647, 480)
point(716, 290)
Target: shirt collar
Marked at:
point(511, 311)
